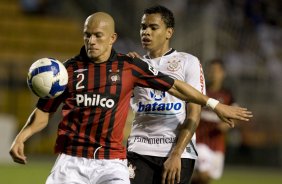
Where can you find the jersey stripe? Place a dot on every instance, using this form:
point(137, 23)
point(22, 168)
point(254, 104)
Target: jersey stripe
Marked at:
point(76, 119)
point(109, 118)
point(97, 112)
point(89, 125)
point(138, 70)
point(117, 90)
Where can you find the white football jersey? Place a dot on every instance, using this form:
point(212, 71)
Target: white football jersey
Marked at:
point(158, 115)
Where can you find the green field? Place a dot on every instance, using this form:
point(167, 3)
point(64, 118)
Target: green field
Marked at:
point(244, 175)
point(36, 173)
point(32, 173)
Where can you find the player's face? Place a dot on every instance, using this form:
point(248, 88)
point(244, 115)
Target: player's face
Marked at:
point(154, 33)
point(98, 40)
point(216, 73)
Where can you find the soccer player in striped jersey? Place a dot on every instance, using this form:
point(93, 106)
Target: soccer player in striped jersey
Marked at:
point(210, 134)
point(95, 107)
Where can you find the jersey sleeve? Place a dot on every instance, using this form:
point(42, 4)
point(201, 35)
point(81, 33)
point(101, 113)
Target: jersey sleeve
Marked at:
point(49, 105)
point(148, 76)
point(194, 74)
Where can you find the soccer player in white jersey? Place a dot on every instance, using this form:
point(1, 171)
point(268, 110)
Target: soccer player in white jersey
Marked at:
point(161, 146)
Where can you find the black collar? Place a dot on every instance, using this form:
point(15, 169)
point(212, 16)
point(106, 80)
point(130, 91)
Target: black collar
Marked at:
point(167, 53)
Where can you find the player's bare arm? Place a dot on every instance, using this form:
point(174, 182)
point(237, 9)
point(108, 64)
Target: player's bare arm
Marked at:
point(225, 112)
point(172, 166)
point(35, 123)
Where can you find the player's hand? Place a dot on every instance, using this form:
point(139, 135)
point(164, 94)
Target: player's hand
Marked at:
point(171, 170)
point(17, 152)
point(133, 55)
point(230, 113)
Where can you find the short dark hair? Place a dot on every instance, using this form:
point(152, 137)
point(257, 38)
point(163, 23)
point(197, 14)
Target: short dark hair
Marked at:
point(166, 14)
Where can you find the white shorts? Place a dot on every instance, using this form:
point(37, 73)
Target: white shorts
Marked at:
point(209, 161)
point(78, 170)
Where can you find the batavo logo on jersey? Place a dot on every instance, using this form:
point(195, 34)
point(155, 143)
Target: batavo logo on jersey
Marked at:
point(87, 100)
point(158, 105)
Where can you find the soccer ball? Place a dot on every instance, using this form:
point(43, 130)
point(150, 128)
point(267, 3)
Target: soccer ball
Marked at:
point(47, 78)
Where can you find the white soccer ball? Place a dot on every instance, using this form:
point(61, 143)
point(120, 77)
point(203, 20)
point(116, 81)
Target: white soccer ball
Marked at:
point(47, 78)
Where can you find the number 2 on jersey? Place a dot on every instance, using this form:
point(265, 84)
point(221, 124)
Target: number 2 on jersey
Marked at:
point(80, 80)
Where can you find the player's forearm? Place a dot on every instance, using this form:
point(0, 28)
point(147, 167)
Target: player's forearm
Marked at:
point(35, 123)
point(184, 137)
point(187, 129)
point(187, 93)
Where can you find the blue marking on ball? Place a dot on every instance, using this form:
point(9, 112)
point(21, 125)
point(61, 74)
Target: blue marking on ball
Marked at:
point(56, 87)
point(53, 67)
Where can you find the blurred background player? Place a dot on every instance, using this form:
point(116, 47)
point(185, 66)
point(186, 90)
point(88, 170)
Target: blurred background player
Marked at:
point(210, 134)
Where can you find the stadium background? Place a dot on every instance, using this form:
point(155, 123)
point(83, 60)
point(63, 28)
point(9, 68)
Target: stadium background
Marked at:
point(246, 34)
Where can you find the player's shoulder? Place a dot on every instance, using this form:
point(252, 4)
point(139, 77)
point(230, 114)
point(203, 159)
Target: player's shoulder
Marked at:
point(71, 61)
point(125, 58)
point(187, 58)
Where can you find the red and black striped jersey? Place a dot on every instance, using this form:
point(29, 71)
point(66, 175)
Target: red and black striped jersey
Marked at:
point(96, 102)
point(208, 131)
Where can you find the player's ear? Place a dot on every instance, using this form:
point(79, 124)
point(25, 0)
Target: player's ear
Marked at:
point(169, 32)
point(113, 38)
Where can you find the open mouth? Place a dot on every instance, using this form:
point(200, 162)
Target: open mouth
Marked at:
point(146, 41)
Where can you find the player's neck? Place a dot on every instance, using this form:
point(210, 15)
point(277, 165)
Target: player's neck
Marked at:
point(158, 53)
point(102, 58)
point(214, 87)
